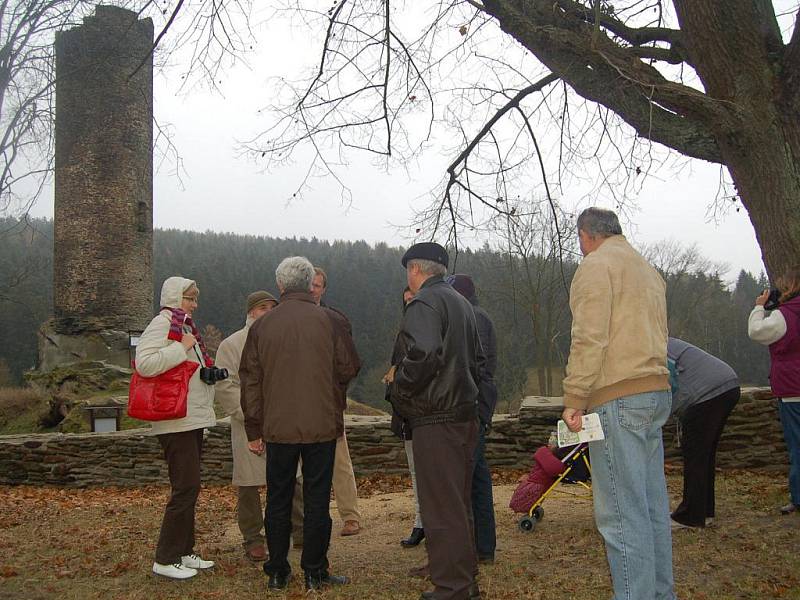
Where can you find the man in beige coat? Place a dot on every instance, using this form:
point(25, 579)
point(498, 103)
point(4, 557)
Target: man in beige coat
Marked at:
point(249, 469)
point(344, 479)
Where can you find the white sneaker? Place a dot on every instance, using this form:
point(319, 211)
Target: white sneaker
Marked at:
point(176, 571)
point(192, 561)
point(675, 525)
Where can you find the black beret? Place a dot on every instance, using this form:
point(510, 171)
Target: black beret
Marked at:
point(426, 251)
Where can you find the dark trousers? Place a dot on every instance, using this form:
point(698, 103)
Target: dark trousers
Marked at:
point(701, 428)
point(443, 457)
point(790, 420)
point(483, 500)
point(317, 477)
point(182, 451)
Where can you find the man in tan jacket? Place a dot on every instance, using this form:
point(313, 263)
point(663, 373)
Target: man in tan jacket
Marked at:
point(344, 479)
point(617, 369)
point(249, 469)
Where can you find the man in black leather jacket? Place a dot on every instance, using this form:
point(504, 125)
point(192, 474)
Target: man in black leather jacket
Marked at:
point(435, 388)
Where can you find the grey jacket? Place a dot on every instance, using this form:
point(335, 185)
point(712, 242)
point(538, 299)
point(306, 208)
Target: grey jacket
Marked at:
point(701, 376)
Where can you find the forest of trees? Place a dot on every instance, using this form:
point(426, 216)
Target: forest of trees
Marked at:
point(525, 292)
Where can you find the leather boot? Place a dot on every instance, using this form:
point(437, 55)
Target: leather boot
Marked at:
point(278, 581)
point(321, 580)
point(474, 593)
point(417, 535)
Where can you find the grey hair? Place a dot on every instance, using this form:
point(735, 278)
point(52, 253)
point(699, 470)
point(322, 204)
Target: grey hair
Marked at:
point(294, 274)
point(429, 267)
point(599, 222)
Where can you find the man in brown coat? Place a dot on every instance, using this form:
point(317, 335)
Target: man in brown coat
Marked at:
point(295, 362)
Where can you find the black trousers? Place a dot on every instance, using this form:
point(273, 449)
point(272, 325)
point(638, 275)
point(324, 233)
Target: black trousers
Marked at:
point(444, 460)
point(317, 477)
point(701, 428)
point(182, 451)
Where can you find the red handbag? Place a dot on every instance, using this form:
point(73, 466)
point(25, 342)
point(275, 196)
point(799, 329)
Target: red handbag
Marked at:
point(162, 397)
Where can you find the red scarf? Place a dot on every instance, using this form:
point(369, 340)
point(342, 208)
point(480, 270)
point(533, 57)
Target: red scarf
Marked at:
point(179, 319)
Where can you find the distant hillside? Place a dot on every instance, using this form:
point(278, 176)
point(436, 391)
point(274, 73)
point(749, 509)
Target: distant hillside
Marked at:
point(525, 297)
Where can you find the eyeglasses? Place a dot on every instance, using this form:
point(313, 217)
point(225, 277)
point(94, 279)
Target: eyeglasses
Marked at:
point(190, 299)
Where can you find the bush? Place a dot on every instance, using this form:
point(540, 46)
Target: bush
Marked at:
point(20, 409)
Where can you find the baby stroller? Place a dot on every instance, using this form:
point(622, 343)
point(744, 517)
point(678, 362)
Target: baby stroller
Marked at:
point(550, 467)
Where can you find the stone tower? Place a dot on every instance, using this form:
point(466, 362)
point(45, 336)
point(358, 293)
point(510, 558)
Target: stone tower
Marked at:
point(103, 240)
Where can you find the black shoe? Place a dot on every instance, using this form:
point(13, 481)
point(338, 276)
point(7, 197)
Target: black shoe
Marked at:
point(417, 535)
point(278, 581)
point(486, 559)
point(318, 581)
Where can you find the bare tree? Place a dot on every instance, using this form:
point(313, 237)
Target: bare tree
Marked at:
point(27, 76)
point(716, 81)
point(211, 33)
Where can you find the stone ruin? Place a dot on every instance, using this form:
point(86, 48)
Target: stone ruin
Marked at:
point(103, 232)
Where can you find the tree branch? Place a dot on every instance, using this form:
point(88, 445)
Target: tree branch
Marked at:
point(791, 66)
point(672, 114)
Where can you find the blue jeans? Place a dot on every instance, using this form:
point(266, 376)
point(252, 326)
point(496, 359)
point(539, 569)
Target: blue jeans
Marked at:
point(631, 505)
point(482, 500)
point(790, 420)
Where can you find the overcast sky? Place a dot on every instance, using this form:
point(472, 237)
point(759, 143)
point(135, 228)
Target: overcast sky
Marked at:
point(221, 190)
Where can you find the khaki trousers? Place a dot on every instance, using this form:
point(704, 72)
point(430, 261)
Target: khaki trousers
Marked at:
point(344, 482)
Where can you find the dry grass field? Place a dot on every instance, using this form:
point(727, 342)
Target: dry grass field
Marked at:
point(98, 543)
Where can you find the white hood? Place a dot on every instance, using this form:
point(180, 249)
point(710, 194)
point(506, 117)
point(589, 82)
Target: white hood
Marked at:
point(172, 291)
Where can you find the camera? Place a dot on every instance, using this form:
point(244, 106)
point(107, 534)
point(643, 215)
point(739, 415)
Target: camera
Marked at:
point(772, 300)
point(211, 375)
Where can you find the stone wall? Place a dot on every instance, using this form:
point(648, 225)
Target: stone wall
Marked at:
point(752, 439)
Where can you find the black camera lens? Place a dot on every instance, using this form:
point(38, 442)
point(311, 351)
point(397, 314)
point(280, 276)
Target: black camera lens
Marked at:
point(211, 375)
point(772, 300)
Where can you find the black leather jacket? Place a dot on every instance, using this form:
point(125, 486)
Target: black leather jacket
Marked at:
point(437, 379)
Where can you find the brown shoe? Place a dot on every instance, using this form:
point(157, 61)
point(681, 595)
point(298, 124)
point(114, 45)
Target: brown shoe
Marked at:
point(423, 571)
point(351, 528)
point(257, 553)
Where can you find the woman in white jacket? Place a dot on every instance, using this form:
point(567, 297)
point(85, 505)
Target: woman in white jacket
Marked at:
point(167, 342)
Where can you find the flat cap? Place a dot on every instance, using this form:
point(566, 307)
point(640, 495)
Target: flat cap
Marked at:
point(259, 297)
point(426, 251)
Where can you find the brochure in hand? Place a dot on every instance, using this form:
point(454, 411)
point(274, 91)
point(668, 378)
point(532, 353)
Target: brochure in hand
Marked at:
point(591, 432)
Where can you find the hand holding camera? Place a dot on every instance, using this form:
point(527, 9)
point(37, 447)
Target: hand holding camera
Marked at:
point(188, 341)
point(769, 299)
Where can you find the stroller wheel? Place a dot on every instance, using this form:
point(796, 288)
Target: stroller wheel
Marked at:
point(526, 524)
point(538, 513)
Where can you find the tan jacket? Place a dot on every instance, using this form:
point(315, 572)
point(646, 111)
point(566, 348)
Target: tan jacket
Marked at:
point(155, 354)
point(619, 327)
point(295, 363)
point(248, 469)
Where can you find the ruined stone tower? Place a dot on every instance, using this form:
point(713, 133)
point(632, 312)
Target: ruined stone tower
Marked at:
point(103, 281)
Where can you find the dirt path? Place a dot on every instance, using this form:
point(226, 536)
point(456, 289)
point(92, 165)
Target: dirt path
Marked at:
point(98, 544)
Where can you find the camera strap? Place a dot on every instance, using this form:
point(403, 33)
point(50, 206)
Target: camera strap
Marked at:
point(199, 358)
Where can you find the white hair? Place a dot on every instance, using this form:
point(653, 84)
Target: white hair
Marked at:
point(428, 267)
point(294, 274)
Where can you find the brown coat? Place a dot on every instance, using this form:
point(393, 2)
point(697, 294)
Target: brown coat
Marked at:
point(297, 360)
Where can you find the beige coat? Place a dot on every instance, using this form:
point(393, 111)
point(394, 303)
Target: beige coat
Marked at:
point(248, 469)
point(156, 354)
point(619, 327)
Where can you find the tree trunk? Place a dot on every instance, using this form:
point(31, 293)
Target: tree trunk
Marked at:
point(738, 54)
point(764, 167)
